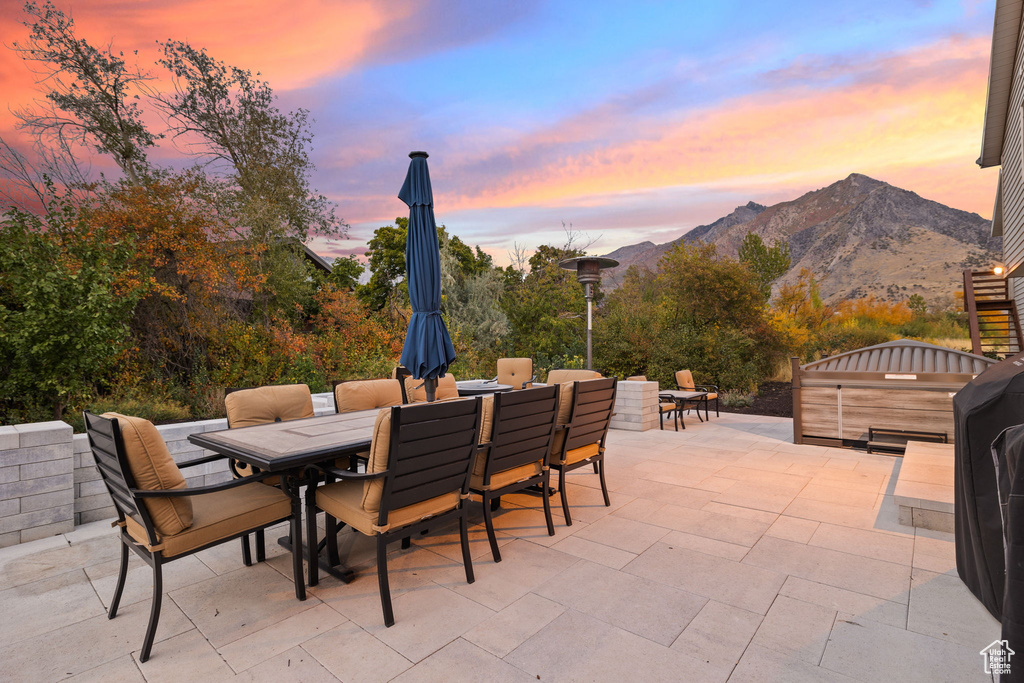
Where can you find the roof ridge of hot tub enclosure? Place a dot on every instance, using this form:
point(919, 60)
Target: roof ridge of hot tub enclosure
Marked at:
point(898, 385)
point(902, 356)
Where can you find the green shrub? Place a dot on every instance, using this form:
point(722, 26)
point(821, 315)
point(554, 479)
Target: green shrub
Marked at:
point(156, 409)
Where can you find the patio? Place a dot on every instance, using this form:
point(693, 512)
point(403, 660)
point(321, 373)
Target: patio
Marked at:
point(728, 553)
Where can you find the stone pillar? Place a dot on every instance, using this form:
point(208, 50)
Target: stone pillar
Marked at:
point(636, 406)
point(36, 481)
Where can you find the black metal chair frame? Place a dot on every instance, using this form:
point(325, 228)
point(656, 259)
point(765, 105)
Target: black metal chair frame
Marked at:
point(584, 423)
point(107, 446)
point(400, 373)
point(417, 471)
point(675, 412)
point(521, 434)
point(709, 389)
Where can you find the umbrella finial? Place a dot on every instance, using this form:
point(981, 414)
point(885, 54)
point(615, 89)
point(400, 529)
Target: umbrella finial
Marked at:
point(413, 155)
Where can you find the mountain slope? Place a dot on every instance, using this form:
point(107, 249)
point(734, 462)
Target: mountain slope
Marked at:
point(859, 236)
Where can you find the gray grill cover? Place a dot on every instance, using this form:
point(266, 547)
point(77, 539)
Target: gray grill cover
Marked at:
point(982, 410)
point(1008, 458)
point(903, 356)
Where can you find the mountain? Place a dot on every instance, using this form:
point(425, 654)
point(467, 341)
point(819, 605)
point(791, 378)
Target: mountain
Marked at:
point(859, 236)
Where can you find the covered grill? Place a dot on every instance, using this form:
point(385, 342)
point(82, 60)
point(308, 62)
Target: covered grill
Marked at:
point(897, 386)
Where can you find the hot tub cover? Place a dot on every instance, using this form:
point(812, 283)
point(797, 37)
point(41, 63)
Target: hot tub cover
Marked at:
point(1008, 459)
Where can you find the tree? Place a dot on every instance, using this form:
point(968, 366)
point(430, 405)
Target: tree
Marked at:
point(345, 272)
point(92, 96)
point(227, 117)
point(65, 303)
point(471, 301)
point(917, 305)
point(766, 263)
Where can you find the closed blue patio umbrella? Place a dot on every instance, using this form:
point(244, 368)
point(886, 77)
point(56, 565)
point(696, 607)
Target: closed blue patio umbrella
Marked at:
point(428, 349)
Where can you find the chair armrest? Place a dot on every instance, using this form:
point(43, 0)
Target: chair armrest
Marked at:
point(201, 461)
point(529, 381)
point(706, 387)
point(200, 490)
point(488, 381)
point(349, 474)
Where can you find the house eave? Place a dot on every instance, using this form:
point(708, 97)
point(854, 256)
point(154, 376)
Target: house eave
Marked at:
point(1005, 38)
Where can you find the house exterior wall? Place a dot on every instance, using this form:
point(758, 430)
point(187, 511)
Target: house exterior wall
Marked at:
point(1012, 181)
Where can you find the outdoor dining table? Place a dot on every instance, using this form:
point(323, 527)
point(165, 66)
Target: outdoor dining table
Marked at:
point(479, 387)
point(681, 397)
point(291, 448)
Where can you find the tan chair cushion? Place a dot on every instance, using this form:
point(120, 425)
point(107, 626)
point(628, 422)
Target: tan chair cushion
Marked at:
point(268, 404)
point(666, 406)
point(486, 418)
point(219, 515)
point(154, 469)
point(637, 378)
point(502, 479)
point(562, 376)
point(515, 371)
point(342, 500)
point(446, 389)
point(565, 396)
point(684, 379)
point(367, 394)
point(581, 453)
point(712, 396)
point(377, 462)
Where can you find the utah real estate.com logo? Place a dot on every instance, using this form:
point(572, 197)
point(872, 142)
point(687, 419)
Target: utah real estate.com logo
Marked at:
point(997, 657)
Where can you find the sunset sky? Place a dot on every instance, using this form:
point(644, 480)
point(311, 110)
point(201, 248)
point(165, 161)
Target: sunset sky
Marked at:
point(630, 121)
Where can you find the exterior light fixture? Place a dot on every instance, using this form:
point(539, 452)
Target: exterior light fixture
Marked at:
point(588, 273)
point(998, 270)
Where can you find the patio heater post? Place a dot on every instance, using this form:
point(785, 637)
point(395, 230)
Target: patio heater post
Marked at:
point(588, 273)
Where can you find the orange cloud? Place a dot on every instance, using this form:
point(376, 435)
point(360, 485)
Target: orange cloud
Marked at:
point(914, 118)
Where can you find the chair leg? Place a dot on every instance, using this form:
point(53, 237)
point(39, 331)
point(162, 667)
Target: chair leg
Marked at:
point(311, 535)
point(565, 500)
point(467, 560)
point(495, 503)
point(604, 484)
point(489, 523)
point(406, 543)
point(661, 421)
point(261, 546)
point(246, 555)
point(382, 580)
point(717, 414)
point(121, 575)
point(546, 495)
point(154, 610)
point(595, 467)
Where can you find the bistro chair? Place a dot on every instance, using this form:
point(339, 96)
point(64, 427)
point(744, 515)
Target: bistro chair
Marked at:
point(247, 407)
point(415, 392)
point(515, 372)
point(417, 477)
point(666, 405)
point(518, 427)
point(162, 520)
point(366, 394)
point(584, 414)
point(563, 376)
point(684, 382)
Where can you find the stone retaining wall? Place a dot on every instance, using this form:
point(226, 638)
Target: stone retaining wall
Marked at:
point(636, 406)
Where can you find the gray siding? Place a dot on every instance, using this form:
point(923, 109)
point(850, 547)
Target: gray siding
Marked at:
point(1013, 182)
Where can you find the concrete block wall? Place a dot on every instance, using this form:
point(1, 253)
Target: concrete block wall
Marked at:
point(36, 475)
point(636, 406)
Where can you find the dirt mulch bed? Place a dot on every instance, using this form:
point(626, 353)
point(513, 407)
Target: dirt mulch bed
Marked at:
point(773, 398)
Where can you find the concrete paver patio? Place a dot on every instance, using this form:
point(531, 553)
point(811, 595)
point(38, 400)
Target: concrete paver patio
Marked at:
point(728, 553)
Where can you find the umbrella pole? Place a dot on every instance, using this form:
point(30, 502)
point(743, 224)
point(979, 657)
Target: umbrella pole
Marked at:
point(430, 386)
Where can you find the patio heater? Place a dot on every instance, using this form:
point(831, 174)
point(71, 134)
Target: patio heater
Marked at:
point(588, 272)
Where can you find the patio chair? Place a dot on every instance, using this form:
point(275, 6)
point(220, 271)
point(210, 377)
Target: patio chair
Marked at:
point(416, 393)
point(563, 376)
point(417, 477)
point(518, 427)
point(666, 405)
point(162, 520)
point(515, 372)
point(684, 382)
point(584, 413)
point(247, 407)
point(366, 394)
